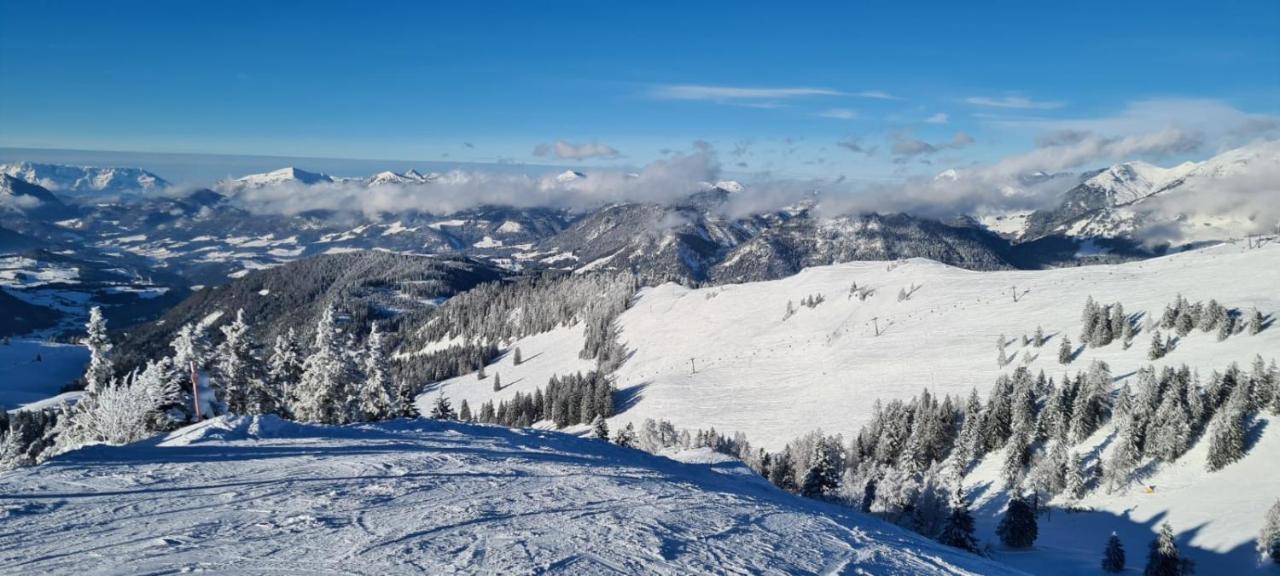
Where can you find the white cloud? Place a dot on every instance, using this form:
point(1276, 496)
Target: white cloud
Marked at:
point(877, 95)
point(907, 146)
point(839, 113)
point(735, 94)
point(567, 151)
point(659, 181)
point(854, 144)
point(939, 118)
point(1016, 102)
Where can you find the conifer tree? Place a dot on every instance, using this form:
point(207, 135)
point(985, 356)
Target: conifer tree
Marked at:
point(236, 373)
point(497, 382)
point(626, 436)
point(969, 444)
point(1227, 434)
point(1256, 321)
point(1124, 457)
point(442, 409)
point(1065, 351)
point(1091, 405)
point(515, 357)
point(600, 428)
point(322, 390)
point(284, 369)
point(782, 475)
point(464, 411)
point(959, 527)
point(821, 477)
point(1038, 339)
point(1015, 461)
point(1075, 477)
point(377, 393)
point(1164, 559)
point(1157, 350)
point(100, 371)
point(1113, 556)
point(1269, 537)
point(1018, 529)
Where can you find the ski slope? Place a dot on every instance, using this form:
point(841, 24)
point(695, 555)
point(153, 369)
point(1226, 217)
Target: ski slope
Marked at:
point(1216, 515)
point(726, 357)
point(262, 495)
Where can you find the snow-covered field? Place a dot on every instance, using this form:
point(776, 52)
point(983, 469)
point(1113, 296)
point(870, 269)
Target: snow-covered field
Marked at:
point(267, 496)
point(24, 380)
point(726, 357)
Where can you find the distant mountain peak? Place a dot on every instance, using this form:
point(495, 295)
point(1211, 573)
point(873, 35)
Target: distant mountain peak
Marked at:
point(569, 176)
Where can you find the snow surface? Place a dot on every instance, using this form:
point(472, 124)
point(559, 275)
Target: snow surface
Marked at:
point(262, 495)
point(1216, 515)
point(777, 379)
point(23, 381)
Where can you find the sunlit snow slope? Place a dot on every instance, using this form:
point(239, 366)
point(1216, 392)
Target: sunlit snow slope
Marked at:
point(423, 497)
point(725, 356)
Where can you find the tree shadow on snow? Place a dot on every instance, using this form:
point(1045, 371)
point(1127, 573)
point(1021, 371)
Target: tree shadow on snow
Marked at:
point(628, 397)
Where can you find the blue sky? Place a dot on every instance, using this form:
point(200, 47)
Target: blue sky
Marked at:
point(873, 90)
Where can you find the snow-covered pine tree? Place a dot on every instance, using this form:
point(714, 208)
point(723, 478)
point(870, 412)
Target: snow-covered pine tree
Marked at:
point(626, 437)
point(190, 352)
point(1211, 315)
point(1018, 528)
point(1076, 483)
point(322, 390)
point(236, 373)
point(516, 358)
point(969, 444)
point(959, 527)
point(284, 368)
point(1157, 350)
point(1186, 321)
point(100, 371)
point(1065, 351)
point(1113, 555)
point(1091, 406)
point(1119, 321)
point(1227, 434)
point(1226, 323)
point(1124, 457)
point(1256, 321)
point(1170, 434)
point(377, 392)
point(497, 382)
point(442, 410)
point(1038, 339)
point(1089, 318)
point(464, 411)
point(1164, 559)
point(1017, 452)
point(1269, 537)
point(781, 474)
point(821, 477)
point(599, 428)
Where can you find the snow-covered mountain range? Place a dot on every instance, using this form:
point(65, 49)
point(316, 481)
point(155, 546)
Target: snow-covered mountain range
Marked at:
point(1229, 195)
point(75, 180)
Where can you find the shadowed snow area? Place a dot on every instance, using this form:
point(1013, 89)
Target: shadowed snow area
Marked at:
point(262, 495)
